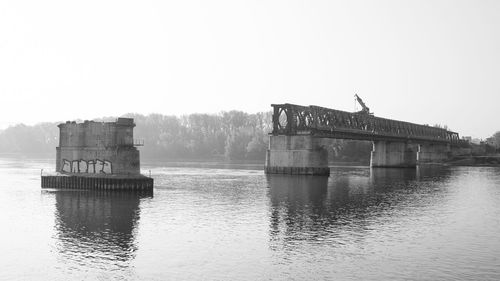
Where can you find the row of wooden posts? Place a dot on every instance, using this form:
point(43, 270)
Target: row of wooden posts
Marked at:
point(97, 183)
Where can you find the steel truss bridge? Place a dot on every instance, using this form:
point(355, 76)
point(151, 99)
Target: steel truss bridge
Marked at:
point(290, 119)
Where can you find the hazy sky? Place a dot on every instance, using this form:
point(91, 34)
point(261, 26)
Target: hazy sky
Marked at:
point(418, 61)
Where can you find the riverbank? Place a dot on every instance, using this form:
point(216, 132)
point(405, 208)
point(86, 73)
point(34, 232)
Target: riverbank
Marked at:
point(479, 161)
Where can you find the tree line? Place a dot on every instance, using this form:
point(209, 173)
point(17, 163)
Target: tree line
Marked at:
point(231, 135)
point(494, 140)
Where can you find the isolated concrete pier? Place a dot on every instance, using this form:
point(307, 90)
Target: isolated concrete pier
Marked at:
point(98, 155)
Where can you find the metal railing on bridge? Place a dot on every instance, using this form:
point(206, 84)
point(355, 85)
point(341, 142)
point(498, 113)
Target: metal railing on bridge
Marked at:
point(131, 142)
point(290, 119)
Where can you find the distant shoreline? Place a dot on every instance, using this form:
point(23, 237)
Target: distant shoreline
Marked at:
point(475, 161)
point(458, 161)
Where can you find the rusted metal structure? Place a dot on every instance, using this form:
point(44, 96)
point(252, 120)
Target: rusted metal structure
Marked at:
point(291, 119)
point(296, 144)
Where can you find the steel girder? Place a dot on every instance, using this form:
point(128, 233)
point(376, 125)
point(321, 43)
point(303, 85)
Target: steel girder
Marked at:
point(290, 119)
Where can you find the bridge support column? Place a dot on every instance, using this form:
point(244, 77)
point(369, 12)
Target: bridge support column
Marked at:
point(433, 153)
point(393, 155)
point(296, 155)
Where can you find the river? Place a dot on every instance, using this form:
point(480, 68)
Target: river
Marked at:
point(209, 221)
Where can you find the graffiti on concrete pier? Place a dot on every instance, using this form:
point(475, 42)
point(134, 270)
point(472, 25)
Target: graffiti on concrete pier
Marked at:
point(96, 166)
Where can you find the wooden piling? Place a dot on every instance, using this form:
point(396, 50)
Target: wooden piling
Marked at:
point(107, 183)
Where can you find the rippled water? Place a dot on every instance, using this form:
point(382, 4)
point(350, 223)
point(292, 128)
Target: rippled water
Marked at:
point(231, 222)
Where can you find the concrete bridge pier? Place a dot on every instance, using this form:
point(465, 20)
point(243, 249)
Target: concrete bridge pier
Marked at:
point(433, 153)
point(296, 155)
point(388, 154)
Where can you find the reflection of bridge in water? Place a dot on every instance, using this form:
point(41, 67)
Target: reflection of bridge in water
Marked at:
point(97, 227)
point(300, 133)
point(305, 209)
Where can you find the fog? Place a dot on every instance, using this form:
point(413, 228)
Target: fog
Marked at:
point(427, 62)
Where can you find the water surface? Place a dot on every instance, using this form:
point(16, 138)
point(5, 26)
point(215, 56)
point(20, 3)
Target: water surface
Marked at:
point(232, 222)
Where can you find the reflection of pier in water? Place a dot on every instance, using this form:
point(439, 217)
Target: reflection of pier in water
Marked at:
point(96, 226)
point(306, 208)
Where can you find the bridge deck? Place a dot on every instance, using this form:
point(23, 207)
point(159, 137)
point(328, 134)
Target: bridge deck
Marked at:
point(290, 119)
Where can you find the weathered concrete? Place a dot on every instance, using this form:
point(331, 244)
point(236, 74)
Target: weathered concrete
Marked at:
point(306, 155)
point(433, 153)
point(98, 148)
point(98, 156)
point(393, 154)
point(301, 155)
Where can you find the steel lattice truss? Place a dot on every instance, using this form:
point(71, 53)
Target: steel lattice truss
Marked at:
point(290, 119)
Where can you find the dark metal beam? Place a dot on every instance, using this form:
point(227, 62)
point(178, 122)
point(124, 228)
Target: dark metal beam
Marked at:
point(290, 119)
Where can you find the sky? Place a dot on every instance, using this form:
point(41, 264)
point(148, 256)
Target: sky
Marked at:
point(427, 62)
